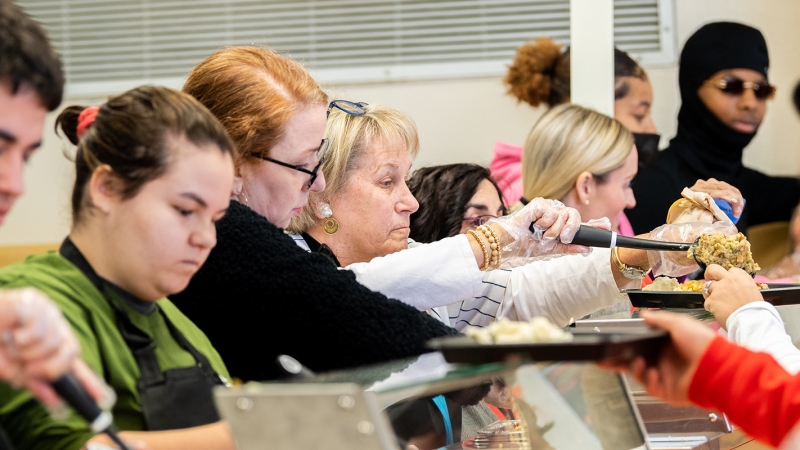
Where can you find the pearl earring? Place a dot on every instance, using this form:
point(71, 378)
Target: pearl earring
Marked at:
point(242, 197)
point(329, 225)
point(586, 202)
point(325, 210)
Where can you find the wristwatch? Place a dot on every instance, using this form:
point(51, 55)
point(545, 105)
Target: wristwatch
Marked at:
point(634, 273)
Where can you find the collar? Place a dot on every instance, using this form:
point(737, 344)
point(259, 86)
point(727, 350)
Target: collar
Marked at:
point(69, 251)
point(322, 249)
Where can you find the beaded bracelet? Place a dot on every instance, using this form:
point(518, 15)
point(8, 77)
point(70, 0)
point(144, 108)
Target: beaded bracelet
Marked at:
point(483, 249)
point(494, 244)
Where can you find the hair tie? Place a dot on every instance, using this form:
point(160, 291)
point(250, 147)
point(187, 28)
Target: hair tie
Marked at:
point(86, 119)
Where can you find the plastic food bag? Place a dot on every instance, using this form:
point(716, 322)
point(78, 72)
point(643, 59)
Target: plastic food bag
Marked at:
point(676, 264)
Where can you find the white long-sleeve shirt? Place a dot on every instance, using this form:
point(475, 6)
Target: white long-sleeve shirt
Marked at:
point(443, 278)
point(560, 289)
point(758, 326)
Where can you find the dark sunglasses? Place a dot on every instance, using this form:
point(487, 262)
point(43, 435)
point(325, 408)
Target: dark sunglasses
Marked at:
point(321, 151)
point(736, 86)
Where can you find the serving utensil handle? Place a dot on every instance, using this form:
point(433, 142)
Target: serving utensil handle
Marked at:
point(597, 237)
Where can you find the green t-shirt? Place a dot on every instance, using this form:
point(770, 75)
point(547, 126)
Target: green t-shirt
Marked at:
point(26, 422)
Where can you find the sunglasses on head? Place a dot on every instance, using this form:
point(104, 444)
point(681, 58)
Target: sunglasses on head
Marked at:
point(735, 86)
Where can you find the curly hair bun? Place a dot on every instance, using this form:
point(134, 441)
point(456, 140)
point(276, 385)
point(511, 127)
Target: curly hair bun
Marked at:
point(533, 75)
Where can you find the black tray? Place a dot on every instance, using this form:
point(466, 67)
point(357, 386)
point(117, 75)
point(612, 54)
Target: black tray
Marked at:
point(588, 345)
point(777, 294)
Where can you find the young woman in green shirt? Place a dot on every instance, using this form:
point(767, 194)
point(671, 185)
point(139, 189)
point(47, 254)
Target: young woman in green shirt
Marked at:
point(154, 173)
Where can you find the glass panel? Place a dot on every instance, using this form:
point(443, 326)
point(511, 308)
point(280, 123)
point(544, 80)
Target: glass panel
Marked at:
point(545, 406)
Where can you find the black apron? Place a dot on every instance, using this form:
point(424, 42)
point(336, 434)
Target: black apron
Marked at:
point(176, 398)
point(5, 444)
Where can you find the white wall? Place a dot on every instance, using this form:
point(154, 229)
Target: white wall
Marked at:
point(459, 120)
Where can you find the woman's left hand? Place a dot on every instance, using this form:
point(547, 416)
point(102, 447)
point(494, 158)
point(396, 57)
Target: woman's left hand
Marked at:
point(726, 291)
point(555, 223)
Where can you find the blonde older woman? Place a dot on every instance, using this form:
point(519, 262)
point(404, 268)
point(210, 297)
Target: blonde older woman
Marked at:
point(364, 214)
point(361, 216)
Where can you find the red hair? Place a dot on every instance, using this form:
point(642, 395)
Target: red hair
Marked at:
point(253, 92)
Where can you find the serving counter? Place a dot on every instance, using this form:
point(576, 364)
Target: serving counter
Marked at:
point(428, 403)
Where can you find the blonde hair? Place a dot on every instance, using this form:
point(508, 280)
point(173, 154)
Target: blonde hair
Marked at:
point(253, 91)
point(569, 140)
point(350, 137)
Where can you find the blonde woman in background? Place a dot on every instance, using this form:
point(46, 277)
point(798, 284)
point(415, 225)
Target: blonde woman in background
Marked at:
point(587, 160)
point(583, 158)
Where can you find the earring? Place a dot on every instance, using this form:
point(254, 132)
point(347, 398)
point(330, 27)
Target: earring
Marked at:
point(242, 197)
point(586, 202)
point(329, 225)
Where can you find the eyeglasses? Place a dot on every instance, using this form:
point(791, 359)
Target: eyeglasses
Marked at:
point(736, 86)
point(479, 220)
point(352, 108)
point(321, 151)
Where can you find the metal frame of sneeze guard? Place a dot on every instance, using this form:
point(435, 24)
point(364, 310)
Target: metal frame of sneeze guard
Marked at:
point(304, 416)
point(379, 413)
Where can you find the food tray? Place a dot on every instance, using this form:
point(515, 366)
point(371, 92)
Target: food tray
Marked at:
point(588, 345)
point(777, 294)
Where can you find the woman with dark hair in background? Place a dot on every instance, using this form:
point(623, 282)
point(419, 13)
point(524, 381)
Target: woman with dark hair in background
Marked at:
point(455, 198)
point(452, 199)
point(540, 75)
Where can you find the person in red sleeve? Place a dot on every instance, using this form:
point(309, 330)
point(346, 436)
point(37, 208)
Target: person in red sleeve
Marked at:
point(703, 368)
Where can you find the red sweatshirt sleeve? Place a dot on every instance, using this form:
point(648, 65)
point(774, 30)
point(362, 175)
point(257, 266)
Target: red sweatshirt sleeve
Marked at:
point(753, 390)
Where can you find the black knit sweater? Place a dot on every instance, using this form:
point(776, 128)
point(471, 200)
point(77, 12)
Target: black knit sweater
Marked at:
point(260, 295)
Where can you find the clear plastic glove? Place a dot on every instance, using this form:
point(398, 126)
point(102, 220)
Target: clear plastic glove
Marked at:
point(37, 345)
point(555, 225)
point(676, 264)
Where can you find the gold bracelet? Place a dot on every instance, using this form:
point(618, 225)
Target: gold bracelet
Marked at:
point(483, 249)
point(494, 243)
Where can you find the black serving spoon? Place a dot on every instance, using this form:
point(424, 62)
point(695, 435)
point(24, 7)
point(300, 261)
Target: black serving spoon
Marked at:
point(589, 236)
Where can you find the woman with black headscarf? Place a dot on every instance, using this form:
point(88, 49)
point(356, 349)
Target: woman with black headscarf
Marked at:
point(724, 88)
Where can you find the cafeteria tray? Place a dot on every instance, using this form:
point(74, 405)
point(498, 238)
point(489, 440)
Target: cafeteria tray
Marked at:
point(777, 294)
point(587, 345)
